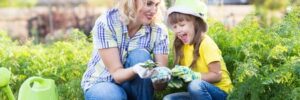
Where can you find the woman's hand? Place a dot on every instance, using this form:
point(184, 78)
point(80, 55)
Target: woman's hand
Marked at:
point(159, 86)
point(161, 75)
point(162, 60)
point(141, 71)
point(161, 78)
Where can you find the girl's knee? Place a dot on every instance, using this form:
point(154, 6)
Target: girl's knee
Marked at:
point(177, 96)
point(196, 85)
point(168, 97)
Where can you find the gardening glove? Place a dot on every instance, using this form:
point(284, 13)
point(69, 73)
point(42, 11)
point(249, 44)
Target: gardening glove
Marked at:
point(161, 75)
point(141, 71)
point(185, 73)
point(175, 83)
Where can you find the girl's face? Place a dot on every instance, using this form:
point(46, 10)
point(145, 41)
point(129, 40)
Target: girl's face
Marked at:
point(147, 12)
point(184, 30)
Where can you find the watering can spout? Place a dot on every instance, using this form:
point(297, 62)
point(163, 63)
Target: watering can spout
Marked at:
point(37, 88)
point(4, 81)
point(4, 77)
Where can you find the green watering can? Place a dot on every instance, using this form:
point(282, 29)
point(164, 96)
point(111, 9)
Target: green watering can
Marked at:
point(4, 81)
point(37, 88)
point(34, 88)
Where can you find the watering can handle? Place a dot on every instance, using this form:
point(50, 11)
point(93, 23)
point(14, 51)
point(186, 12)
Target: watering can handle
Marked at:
point(36, 79)
point(33, 81)
point(37, 88)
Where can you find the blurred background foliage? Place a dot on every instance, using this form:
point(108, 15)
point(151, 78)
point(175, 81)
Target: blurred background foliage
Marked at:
point(18, 3)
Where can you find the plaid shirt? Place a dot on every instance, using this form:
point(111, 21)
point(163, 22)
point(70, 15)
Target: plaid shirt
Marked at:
point(110, 32)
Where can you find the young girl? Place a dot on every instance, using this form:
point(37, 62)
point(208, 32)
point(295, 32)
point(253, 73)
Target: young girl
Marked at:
point(197, 57)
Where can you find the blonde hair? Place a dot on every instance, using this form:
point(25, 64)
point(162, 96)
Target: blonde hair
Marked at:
point(128, 10)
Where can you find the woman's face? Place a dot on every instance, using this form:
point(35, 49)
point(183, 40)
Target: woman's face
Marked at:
point(184, 30)
point(147, 12)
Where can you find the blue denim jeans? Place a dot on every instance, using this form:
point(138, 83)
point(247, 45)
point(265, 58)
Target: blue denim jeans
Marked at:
point(135, 89)
point(105, 91)
point(199, 90)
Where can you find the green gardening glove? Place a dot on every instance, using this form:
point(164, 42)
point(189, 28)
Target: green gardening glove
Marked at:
point(185, 73)
point(175, 83)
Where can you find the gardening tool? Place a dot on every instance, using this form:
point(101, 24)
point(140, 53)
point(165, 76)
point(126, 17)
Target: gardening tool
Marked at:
point(34, 88)
point(37, 88)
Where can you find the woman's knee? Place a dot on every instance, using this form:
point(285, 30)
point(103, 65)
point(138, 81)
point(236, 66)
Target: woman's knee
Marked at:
point(142, 54)
point(105, 91)
point(137, 56)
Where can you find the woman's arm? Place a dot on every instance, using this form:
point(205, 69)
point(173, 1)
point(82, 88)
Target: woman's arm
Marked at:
point(214, 73)
point(111, 60)
point(161, 59)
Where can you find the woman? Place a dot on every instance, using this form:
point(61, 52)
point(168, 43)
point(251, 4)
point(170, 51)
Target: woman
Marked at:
point(123, 39)
point(197, 56)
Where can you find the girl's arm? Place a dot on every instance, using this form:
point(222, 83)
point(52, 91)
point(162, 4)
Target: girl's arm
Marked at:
point(111, 60)
point(214, 73)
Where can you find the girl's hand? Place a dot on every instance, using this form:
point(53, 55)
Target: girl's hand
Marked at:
point(185, 73)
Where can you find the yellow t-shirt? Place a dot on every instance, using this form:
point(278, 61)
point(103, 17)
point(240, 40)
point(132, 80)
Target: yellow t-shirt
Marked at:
point(209, 52)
